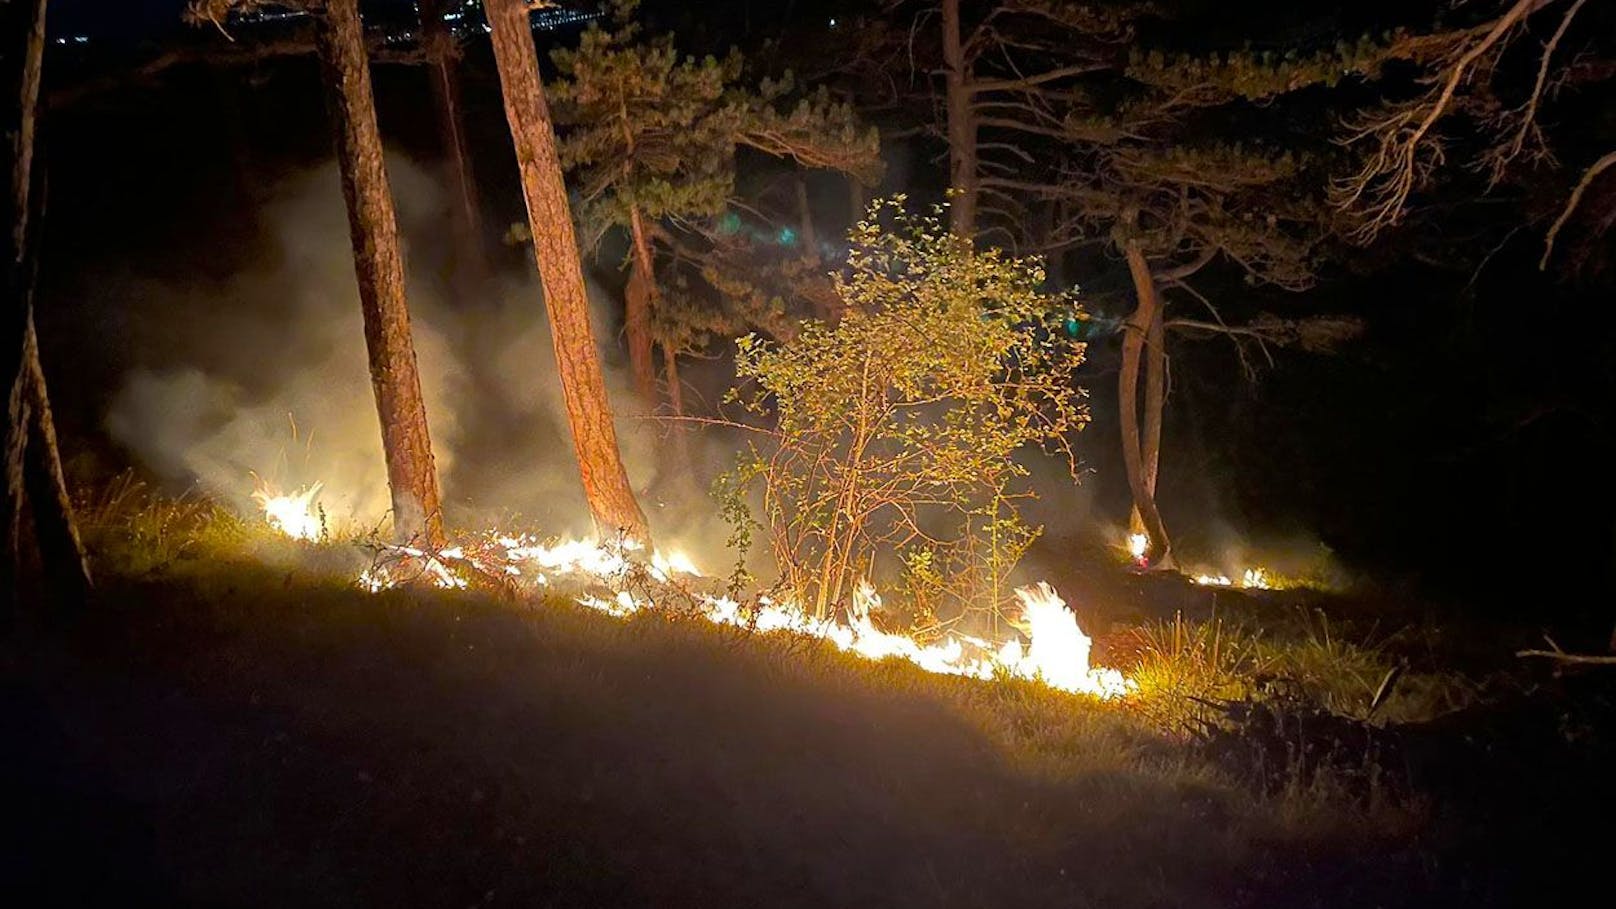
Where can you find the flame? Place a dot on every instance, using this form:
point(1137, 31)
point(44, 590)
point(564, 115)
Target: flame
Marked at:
point(1250, 579)
point(1056, 653)
point(1138, 545)
point(293, 514)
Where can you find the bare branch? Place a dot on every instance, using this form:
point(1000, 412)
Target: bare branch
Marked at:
point(1502, 155)
point(1588, 176)
point(1404, 149)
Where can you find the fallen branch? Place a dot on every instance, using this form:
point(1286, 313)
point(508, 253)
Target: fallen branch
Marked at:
point(1560, 656)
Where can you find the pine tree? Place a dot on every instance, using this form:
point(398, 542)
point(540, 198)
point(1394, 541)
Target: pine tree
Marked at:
point(378, 263)
point(651, 137)
point(555, 247)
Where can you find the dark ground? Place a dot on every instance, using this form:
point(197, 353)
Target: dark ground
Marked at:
point(263, 739)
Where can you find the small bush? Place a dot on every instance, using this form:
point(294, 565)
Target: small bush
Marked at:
point(895, 430)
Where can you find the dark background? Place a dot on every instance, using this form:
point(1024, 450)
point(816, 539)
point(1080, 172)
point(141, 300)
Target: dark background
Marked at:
point(1459, 451)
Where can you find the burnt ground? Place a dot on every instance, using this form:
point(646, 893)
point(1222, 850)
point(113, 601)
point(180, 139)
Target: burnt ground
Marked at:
point(265, 739)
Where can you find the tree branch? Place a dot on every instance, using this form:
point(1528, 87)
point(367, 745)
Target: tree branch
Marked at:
point(1588, 176)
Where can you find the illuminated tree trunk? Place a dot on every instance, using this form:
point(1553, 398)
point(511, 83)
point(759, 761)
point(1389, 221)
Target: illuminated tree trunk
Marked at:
point(34, 486)
point(379, 268)
point(678, 432)
point(676, 391)
point(962, 169)
point(555, 246)
point(1155, 399)
point(637, 302)
point(1137, 330)
point(465, 217)
point(805, 218)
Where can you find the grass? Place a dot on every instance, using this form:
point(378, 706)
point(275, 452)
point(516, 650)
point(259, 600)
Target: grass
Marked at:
point(238, 724)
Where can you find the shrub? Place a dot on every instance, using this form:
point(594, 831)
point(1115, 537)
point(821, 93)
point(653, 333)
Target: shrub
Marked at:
point(896, 430)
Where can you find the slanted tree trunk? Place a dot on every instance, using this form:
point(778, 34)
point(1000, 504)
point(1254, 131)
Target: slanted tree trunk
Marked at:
point(1155, 400)
point(638, 299)
point(465, 214)
point(379, 267)
point(555, 246)
point(962, 167)
point(34, 487)
point(1136, 332)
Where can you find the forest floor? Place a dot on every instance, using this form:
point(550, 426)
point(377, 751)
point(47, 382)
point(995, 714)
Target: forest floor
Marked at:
point(231, 731)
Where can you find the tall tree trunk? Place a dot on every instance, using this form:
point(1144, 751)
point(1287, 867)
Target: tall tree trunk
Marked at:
point(962, 169)
point(677, 430)
point(379, 267)
point(33, 485)
point(825, 303)
point(637, 303)
point(555, 246)
point(1155, 400)
point(465, 214)
point(805, 219)
point(1135, 333)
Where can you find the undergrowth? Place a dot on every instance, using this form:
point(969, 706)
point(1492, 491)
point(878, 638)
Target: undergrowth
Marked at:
point(1183, 668)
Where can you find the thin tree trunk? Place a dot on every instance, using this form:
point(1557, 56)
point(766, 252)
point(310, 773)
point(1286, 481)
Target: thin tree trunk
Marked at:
point(676, 391)
point(825, 304)
point(465, 213)
point(962, 168)
point(1155, 400)
point(857, 200)
point(33, 474)
point(637, 302)
point(678, 431)
point(555, 246)
point(61, 552)
point(1134, 336)
point(805, 217)
point(379, 268)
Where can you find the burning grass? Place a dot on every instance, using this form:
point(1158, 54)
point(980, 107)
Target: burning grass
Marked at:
point(619, 579)
point(438, 743)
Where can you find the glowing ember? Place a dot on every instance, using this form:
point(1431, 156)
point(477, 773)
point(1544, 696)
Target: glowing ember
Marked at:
point(1250, 579)
point(294, 514)
point(1138, 545)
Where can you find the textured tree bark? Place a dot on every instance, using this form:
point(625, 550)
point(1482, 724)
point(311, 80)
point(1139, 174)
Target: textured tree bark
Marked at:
point(379, 267)
point(555, 246)
point(637, 302)
point(962, 168)
point(33, 473)
point(1155, 399)
point(465, 213)
point(1134, 336)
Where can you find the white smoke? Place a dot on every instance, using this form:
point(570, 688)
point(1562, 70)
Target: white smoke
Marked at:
point(268, 378)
